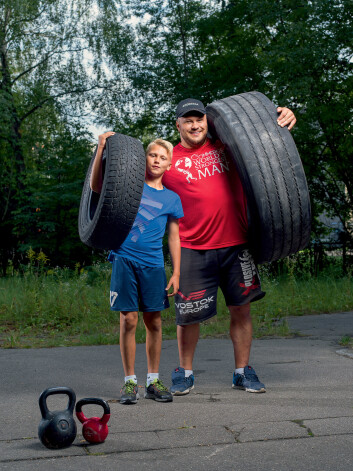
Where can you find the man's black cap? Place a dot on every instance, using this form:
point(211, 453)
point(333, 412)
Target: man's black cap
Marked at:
point(188, 105)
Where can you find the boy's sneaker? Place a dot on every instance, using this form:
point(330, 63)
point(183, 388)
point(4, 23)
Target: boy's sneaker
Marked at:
point(248, 381)
point(129, 393)
point(157, 391)
point(180, 384)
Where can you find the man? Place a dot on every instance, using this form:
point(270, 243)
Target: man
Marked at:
point(214, 251)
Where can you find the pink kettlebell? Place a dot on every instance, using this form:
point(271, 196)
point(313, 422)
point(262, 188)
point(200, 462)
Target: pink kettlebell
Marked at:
point(95, 429)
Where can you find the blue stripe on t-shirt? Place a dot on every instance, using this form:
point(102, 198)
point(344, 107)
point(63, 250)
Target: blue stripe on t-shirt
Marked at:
point(144, 242)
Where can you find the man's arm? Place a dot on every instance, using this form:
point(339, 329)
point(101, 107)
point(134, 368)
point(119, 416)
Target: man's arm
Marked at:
point(174, 250)
point(96, 180)
point(286, 118)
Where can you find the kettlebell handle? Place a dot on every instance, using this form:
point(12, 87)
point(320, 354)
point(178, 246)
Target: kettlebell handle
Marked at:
point(92, 400)
point(59, 390)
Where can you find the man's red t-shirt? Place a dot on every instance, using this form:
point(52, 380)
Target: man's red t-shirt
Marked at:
point(212, 196)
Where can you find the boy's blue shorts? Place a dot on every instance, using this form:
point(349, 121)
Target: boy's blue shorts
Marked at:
point(136, 287)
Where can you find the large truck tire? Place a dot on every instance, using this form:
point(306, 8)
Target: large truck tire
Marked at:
point(271, 172)
point(105, 219)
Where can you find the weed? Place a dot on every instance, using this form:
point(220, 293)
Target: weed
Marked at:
point(42, 307)
point(346, 341)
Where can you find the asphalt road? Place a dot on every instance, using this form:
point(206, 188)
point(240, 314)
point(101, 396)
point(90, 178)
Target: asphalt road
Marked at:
point(303, 422)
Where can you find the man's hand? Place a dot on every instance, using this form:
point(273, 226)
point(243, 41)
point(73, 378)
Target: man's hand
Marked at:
point(286, 118)
point(174, 281)
point(103, 138)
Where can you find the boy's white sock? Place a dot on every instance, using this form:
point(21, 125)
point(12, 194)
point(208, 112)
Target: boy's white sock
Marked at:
point(188, 373)
point(131, 378)
point(239, 371)
point(151, 377)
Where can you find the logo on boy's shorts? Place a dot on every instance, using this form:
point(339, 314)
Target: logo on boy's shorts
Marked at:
point(113, 296)
point(249, 271)
point(196, 302)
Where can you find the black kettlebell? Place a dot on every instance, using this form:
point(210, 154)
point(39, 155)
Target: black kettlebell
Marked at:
point(57, 429)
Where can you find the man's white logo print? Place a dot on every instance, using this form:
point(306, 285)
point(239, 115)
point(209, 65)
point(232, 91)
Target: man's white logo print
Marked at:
point(248, 267)
point(182, 165)
point(204, 165)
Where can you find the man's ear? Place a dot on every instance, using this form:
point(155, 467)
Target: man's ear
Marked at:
point(177, 125)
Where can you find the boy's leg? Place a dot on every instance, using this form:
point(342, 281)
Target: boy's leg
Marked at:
point(153, 324)
point(128, 323)
point(154, 386)
point(124, 298)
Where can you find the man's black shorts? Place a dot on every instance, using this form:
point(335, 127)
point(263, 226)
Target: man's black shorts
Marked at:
point(203, 271)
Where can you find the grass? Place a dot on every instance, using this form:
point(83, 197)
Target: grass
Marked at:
point(59, 307)
point(347, 341)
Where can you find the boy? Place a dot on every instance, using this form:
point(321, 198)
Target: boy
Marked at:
point(138, 275)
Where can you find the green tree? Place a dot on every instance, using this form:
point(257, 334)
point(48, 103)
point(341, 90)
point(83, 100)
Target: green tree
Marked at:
point(306, 50)
point(161, 68)
point(298, 53)
point(51, 64)
point(48, 219)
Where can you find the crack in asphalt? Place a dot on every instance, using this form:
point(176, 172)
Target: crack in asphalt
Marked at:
point(234, 434)
point(299, 422)
point(302, 425)
point(144, 450)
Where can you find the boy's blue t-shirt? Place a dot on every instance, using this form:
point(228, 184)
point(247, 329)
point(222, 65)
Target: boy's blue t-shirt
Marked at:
point(144, 242)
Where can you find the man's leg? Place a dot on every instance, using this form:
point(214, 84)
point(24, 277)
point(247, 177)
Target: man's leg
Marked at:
point(188, 336)
point(155, 389)
point(241, 334)
point(195, 302)
point(240, 284)
point(182, 377)
point(128, 323)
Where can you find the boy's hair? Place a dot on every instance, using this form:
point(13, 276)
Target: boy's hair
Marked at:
point(161, 142)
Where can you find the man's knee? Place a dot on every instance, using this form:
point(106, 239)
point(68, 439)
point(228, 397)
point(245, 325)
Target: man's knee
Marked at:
point(238, 313)
point(188, 333)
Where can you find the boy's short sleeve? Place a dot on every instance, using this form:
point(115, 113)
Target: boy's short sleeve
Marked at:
point(177, 208)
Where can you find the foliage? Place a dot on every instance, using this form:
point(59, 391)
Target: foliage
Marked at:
point(129, 62)
point(298, 54)
point(160, 72)
point(48, 218)
point(51, 62)
point(306, 56)
point(43, 306)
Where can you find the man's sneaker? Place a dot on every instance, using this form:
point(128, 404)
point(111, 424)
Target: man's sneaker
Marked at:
point(129, 393)
point(180, 384)
point(157, 391)
point(248, 381)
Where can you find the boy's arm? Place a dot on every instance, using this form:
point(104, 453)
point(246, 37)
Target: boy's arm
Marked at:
point(174, 250)
point(96, 179)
